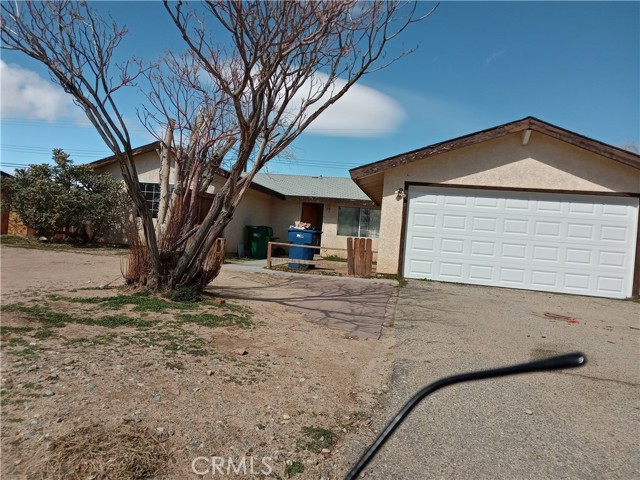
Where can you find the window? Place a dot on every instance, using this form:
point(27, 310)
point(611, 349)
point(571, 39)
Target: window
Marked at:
point(358, 222)
point(151, 192)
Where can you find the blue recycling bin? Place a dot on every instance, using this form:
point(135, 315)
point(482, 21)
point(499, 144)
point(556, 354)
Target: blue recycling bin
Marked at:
point(302, 236)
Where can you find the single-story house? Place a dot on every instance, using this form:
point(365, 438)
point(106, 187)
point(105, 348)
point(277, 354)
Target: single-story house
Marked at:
point(523, 205)
point(334, 205)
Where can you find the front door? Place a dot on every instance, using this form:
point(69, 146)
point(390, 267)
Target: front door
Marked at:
point(312, 213)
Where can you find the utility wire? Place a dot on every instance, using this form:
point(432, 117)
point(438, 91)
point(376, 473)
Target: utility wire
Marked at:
point(97, 154)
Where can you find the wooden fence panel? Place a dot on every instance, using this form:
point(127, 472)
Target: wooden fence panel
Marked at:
point(359, 256)
point(350, 262)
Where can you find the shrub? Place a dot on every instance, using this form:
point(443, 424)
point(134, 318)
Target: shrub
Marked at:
point(67, 199)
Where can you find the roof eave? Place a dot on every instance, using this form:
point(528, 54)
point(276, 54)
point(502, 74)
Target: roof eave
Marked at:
point(103, 162)
point(318, 199)
point(529, 123)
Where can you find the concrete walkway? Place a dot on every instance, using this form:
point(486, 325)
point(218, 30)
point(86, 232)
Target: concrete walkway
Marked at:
point(355, 305)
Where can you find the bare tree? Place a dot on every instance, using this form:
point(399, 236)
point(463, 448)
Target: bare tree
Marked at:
point(236, 99)
point(77, 47)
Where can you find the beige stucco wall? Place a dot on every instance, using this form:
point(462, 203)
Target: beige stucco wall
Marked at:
point(544, 163)
point(147, 166)
point(254, 209)
point(284, 213)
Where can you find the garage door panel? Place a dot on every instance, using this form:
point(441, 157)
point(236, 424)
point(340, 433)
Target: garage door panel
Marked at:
point(514, 251)
point(484, 225)
point(451, 270)
point(579, 257)
point(423, 244)
point(488, 203)
point(546, 207)
point(456, 223)
point(482, 248)
point(548, 229)
point(420, 269)
point(429, 200)
point(609, 284)
point(580, 232)
point(512, 276)
point(610, 233)
point(515, 226)
point(551, 242)
point(577, 282)
point(482, 273)
point(518, 205)
point(424, 220)
point(547, 279)
point(546, 254)
point(611, 259)
point(456, 202)
point(452, 246)
point(616, 211)
point(582, 208)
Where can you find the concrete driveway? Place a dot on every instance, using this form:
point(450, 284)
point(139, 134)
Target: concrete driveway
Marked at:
point(581, 423)
point(357, 306)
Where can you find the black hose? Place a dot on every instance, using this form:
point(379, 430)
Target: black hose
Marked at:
point(570, 360)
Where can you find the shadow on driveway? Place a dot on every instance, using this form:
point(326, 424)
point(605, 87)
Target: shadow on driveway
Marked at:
point(356, 306)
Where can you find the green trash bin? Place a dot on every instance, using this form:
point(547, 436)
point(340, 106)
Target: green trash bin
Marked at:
point(258, 240)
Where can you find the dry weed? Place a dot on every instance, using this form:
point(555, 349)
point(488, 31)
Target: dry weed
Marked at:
point(98, 453)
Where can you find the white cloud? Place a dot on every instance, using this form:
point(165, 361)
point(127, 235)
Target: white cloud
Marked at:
point(491, 58)
point(361, 112)
point(26, 95)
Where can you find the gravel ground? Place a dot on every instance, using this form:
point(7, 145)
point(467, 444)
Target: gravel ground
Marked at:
point(86, 393)
point(571, 424)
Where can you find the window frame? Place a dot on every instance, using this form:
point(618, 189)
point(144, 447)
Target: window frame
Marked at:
point(152, 203)
point(360, 226)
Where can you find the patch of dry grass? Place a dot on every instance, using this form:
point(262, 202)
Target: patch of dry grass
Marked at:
point(98, 453)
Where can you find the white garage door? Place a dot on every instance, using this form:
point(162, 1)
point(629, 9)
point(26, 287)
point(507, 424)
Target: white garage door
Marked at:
point(580, 244)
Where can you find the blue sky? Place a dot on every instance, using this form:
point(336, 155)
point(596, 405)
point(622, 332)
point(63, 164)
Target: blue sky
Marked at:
point(478, 65)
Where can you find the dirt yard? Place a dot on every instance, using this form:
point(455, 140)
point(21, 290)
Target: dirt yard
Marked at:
point(100, 382)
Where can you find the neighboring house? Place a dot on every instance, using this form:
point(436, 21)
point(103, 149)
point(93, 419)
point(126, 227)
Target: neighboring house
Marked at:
point(334, 205)
point(4, 225)
point(11, 222)
point(523, 205)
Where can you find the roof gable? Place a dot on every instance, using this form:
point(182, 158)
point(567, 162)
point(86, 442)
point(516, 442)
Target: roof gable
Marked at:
point(529, 123)
point(149, 147)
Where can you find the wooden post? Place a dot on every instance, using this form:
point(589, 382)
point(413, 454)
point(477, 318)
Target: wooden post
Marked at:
point(350, 266)
point(368, 260)
point(219, 248)
point(269, 255)
point(359, 256)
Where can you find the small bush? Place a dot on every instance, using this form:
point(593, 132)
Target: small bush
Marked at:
point(318, 438)
point(293, 467)
point(184, 294)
